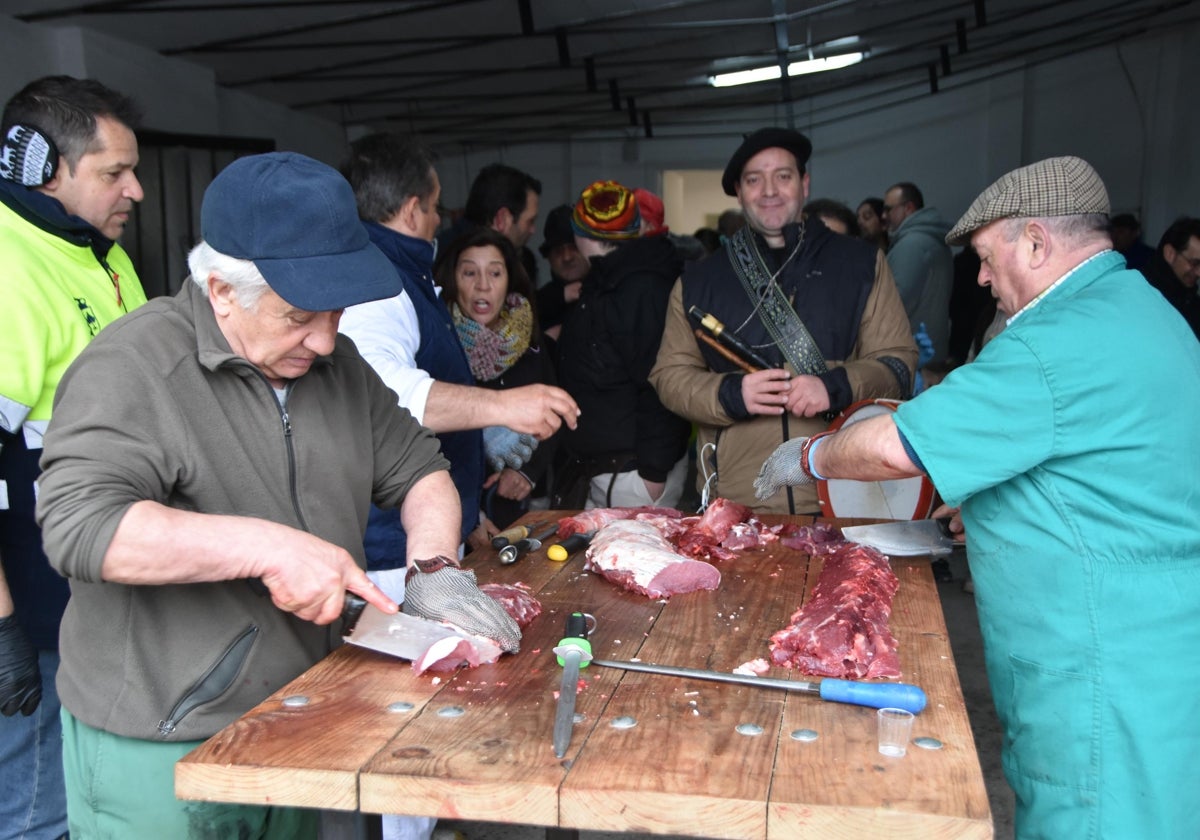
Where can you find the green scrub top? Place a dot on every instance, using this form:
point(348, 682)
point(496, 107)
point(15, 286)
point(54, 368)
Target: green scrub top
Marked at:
point(1071, 445)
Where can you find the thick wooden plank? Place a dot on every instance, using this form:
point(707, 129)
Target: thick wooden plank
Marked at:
point(495, 762)
point(839, 786)
point(686, 755)
point(307, 755)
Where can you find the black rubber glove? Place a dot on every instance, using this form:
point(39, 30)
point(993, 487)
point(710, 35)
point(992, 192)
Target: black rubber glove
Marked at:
point(20, 680)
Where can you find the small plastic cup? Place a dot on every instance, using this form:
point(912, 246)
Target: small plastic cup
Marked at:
point(895, 728)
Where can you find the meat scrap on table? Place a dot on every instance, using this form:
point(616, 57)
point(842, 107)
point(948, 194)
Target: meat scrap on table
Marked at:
point(723, 530)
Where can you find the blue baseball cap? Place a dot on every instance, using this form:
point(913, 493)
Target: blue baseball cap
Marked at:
point(296, 220)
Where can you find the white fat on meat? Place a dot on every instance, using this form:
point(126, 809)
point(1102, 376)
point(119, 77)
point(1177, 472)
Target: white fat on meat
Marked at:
point(635, 555)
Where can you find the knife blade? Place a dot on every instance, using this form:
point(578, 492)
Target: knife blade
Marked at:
point(905, 539)
point(574, 651)
point(403, 635)
point(876, 695)
point(514, 552)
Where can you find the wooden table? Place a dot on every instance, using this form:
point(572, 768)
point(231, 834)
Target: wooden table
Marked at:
point(475, 745)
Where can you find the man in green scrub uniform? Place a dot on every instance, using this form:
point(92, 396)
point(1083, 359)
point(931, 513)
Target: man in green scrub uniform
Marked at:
point(1066, 444)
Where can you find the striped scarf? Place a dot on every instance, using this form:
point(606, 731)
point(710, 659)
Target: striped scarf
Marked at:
point(490, 352)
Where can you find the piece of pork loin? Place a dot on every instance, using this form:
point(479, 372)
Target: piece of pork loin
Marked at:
point(635, 556)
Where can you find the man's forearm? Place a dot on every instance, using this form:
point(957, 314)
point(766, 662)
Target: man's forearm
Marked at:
point(155, 544)
point(432, 517)
point(454, 408)
point(867, 451)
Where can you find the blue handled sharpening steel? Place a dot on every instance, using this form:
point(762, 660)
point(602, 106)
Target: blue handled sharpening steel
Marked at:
point(876, 695)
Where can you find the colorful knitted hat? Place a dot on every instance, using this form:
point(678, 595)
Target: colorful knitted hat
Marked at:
point(606, 210)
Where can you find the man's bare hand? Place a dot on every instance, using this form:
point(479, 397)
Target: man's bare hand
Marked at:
point(808, 396)
point(766, 391)
point(513, 485)
point(309, 577)
point(956, 524)
point(537, 410)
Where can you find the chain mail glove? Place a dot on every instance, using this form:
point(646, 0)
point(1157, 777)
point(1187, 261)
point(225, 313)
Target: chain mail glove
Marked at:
point(787, 466)
point(439, 590)
point(505, 448)
point(20, 680)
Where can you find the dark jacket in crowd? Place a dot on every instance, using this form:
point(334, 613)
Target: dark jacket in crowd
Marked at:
point(607, 347)
point(1183, 298)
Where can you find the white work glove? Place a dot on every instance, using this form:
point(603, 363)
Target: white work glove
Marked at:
point(505, 448)
point(437, 589)
point(781, 469)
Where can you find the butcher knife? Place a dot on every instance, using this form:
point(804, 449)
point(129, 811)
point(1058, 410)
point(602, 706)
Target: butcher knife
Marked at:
point(514, 552)
point(876, 695)
point(905, 539)
point(573, 652)
point(403, 635)
point(576, 542)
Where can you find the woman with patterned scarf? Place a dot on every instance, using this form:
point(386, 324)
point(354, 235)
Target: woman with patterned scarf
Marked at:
point(490, 299)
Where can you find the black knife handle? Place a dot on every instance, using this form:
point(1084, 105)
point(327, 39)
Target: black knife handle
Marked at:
point(576, 626)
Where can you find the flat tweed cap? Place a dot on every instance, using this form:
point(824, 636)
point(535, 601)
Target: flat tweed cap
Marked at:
point(1060, 186)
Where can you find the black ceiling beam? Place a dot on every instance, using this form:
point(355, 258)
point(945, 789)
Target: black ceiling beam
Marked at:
point(432, 5)
point(564, 50)
point(526, 11)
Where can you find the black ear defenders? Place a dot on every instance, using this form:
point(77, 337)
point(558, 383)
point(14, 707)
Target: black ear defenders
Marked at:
point(27, 156)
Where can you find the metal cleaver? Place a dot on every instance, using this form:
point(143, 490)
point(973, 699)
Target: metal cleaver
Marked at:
point(403, 635)
point(905, 539)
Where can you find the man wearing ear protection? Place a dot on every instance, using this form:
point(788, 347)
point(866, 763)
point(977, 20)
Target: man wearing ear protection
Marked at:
point(67, 188)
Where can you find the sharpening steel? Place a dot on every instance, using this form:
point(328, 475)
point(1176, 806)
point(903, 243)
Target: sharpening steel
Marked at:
point(876, 695)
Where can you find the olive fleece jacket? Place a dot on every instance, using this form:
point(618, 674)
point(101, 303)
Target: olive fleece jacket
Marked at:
point(158, 407)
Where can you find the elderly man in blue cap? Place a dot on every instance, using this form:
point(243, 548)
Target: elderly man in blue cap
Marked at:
point(210, 519)
point(1069, 454)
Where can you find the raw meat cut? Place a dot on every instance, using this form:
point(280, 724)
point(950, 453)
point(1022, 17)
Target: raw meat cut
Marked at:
point(449, 653)
point(814, 540)
point(517, 600)
point(842, 631)
point(634, 555)
point(707, 534)
point(597, 518)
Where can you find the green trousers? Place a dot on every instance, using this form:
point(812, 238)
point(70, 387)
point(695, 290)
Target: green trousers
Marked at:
point(124, 789)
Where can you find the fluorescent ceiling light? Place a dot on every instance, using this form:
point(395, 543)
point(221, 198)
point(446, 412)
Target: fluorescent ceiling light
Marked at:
point(796, 68)
point(819, 65)
point(744, 77)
